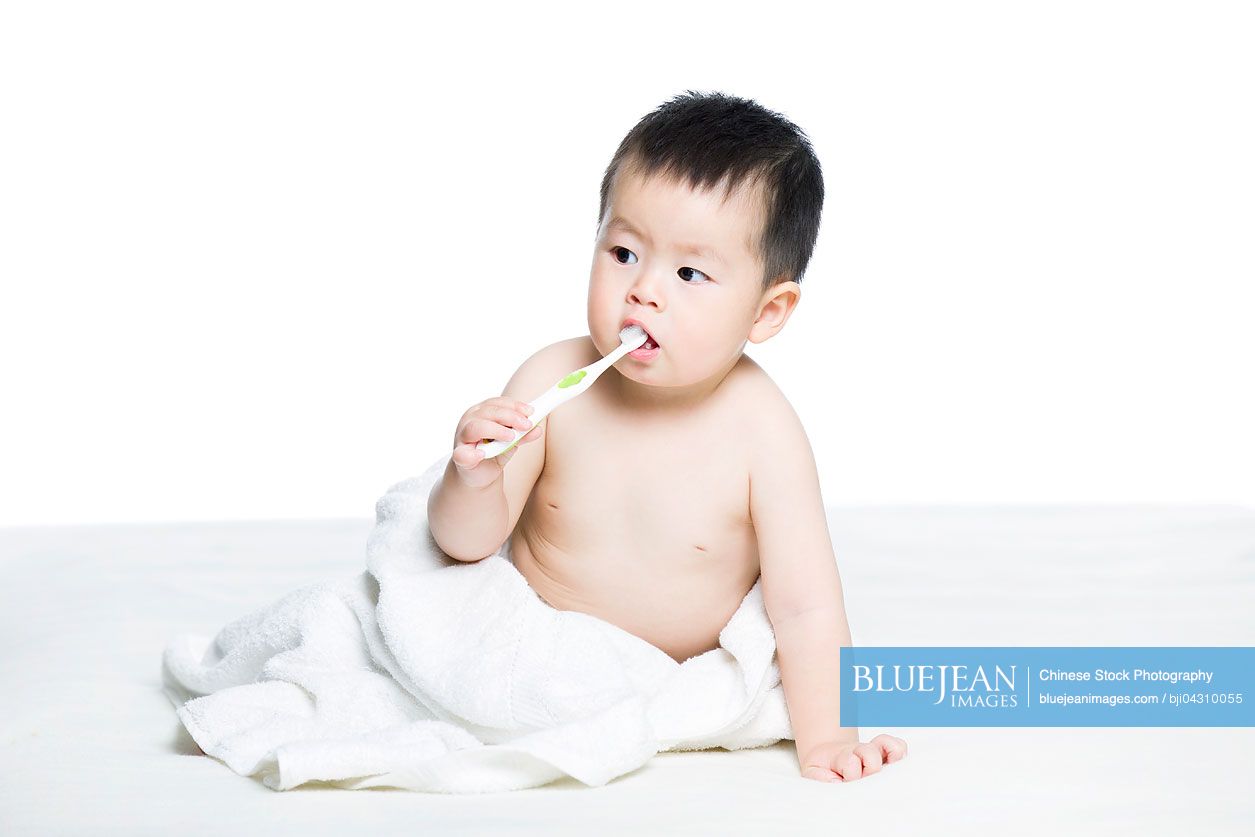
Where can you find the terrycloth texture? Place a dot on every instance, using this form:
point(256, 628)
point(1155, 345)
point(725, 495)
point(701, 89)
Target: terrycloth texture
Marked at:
point(433, 675)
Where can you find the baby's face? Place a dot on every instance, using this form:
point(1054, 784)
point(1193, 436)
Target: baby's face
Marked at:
point(698, 307)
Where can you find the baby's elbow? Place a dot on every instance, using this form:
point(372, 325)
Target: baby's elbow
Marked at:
point(462, 555)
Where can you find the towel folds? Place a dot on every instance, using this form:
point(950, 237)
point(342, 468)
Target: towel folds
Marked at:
point(434, 675)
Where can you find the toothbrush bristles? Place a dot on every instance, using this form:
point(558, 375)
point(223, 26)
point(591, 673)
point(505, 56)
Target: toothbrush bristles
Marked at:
point(632, 332)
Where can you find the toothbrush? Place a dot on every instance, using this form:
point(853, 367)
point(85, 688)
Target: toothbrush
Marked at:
point(577, 382)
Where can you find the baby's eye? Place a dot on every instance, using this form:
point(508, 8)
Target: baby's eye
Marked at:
point(705, 278)
point(616, 250)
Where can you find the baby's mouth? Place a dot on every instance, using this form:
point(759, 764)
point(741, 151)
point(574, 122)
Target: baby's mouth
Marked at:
point(650, 343)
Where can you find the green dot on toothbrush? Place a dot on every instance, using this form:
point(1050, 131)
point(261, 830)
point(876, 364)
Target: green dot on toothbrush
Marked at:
point(571, 380)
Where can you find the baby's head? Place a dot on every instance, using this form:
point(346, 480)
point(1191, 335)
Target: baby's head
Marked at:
point(709, 214)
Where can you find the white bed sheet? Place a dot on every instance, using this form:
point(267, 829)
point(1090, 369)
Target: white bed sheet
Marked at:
point(88, 743)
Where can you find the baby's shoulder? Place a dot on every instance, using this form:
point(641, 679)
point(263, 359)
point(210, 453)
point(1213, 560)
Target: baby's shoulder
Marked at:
point(560, 358)
point(573, 348)
point(764, 412)
point(567, 355)
point(545, 367)
point(749, 387)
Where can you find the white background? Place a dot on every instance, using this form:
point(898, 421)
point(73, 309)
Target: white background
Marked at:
point(257, 258)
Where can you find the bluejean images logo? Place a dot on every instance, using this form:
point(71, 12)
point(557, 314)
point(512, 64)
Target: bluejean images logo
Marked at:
point(1048, 686)
point(963, 685)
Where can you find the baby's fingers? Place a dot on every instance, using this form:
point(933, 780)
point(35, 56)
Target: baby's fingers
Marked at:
point(871, 756)
point(467, 456)
point(820, 774)
point(894, 749)
point(477, 430)
point(849, 766)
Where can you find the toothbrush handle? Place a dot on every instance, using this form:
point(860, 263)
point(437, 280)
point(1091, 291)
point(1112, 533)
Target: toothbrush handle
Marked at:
point(545, 404)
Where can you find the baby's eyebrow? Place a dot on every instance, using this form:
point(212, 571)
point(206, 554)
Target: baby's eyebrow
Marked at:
point(623, 224)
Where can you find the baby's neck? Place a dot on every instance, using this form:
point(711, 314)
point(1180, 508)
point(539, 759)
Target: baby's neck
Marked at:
point(662, 401)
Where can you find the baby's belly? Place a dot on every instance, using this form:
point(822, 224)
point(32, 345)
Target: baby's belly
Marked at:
point(674, 595)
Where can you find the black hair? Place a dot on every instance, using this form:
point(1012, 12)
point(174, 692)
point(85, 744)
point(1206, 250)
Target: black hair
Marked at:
point(706, 139)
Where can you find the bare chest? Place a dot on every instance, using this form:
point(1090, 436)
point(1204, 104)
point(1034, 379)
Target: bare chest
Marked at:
point(646, 526)
point(676, 495)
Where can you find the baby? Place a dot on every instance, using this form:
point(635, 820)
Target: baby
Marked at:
point(657, 498)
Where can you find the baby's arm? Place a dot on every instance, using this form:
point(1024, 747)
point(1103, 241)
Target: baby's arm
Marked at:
point(803, 597)
point(470, 523)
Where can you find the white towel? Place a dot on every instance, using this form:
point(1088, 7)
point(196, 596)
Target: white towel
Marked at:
point(434, 675)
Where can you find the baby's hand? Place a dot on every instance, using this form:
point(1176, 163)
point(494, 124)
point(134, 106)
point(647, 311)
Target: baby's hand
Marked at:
point(493, 418)
point(845, 761)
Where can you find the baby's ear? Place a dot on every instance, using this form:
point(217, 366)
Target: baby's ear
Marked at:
point(774, 310)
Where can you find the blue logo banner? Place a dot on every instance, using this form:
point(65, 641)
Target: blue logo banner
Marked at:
point(932, 686)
